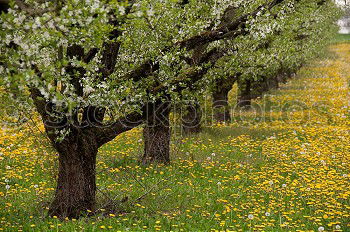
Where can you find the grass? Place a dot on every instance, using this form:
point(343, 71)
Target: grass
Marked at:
point(341, 38)
point(287, 171)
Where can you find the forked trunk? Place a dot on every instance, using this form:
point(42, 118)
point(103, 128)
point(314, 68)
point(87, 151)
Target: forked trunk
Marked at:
point(76, 184)
point(221, 109)
point(191, 120)
point(156, 134)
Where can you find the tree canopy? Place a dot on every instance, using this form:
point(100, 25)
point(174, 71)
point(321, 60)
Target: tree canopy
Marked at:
point(116, 54)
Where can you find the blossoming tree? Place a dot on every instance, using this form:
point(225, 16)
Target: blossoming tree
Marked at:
point(95, 69)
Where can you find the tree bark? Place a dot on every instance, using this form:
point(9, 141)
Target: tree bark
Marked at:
point(221, 108)
point(282, 78)
point(156, 133)
point(244, 95)
point(76, 184)
point(273, 82)
point(191, 120)
point(249, 90)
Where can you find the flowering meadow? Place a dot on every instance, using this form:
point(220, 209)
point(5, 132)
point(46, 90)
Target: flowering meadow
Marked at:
point(284, 168)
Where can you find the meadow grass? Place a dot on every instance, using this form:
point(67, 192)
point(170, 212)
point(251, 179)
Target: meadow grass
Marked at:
point(285, 168)
point(341, 38)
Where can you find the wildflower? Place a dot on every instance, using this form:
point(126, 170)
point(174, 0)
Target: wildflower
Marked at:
point(321, 228)
point(267, 214)
point(213, 154)
point(250, 216)
point(284, 185)
point(7, 187)
point(270, 182)
point(219, 183)
point(337, 227)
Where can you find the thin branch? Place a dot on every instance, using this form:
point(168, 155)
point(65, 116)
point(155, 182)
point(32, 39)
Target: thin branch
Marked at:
point(33, 12)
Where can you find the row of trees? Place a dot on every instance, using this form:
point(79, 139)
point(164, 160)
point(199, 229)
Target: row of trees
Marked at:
point(96, 69)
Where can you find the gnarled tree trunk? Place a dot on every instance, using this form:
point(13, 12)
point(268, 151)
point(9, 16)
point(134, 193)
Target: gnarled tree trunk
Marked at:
point(191, 120)
point(157, 133)
point(76, 184)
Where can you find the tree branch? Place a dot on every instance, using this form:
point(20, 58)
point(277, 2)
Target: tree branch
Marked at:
point(123, 124)
point(32, 12)
point(226, 30)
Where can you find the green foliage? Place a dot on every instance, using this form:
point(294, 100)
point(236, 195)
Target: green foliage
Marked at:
point(37, 38)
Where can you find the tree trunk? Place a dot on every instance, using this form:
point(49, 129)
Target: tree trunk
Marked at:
point(156, 134)
point(76, 184)
point(273, 82)
point(245, 95)
point(282, 77)
point(221, 107)
point(191, 120)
